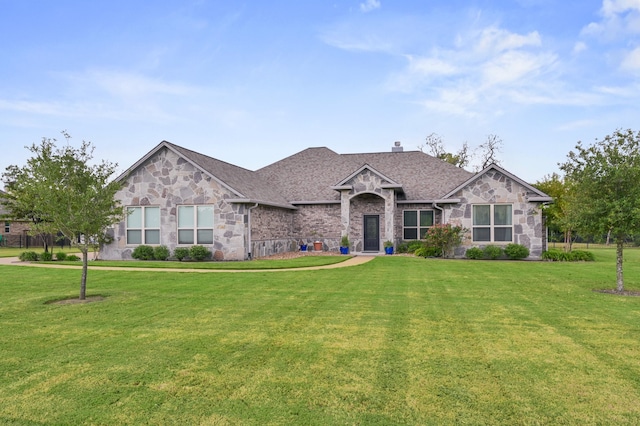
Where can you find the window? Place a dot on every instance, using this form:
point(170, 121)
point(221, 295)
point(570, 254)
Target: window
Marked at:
point(492, 223)
point(7, 227)
point(143, 225)
point(416, 223)
point(195, 224)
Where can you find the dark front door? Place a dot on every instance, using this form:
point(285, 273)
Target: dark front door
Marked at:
point(371, 233)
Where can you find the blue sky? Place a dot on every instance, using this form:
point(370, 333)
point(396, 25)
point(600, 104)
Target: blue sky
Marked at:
point(253, 82)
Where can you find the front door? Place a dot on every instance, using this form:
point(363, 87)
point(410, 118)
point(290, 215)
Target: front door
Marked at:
point(371, 233)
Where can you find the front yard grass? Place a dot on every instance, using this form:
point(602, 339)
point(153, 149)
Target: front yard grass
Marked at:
point(398, 340)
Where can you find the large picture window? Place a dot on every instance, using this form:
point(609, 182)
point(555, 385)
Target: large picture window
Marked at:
point(195, 224)
point(416, 223)
point(493, 223)
point(143, 225)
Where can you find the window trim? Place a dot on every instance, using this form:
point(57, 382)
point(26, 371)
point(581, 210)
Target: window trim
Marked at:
point(7, 227)
point(492, 225)
point(143, 227)
point(195, 228)
point(418, 227)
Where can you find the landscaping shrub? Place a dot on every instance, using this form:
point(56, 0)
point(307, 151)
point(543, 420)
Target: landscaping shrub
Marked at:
point(445, 238)
point(199, 253)
point(582, 255)
point(61, 256)
point(143, 252)
point(28, 256)
point(73, 258)
point(181, 253)
point(426, 251)
point(161, 253)
point(46, 256)
point(475, 253)
point(516, 251)
point(492, 252)
point(409, 246)
point(572, 256)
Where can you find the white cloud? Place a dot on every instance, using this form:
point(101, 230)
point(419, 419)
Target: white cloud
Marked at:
point(620, 18)
point(614, 7)
point(370, 5)
point(632, 61)
point(580, 47)
point(494, 39)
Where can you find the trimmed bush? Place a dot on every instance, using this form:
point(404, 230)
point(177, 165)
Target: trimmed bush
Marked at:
point(61, 256)
point(474, 253)
point(46, 256)
point(143, 252)
point(425, 251)
point(492, 252)
point(73, 258)
point(582, 255)
point(572, 256)
point(516, 251)
point(29, 256)
point(160, 253)
point(409, 246)
point(181, 253)
point(199, 253)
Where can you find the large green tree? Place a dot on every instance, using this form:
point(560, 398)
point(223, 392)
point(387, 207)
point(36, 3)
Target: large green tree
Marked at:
point(606, 190)
point(67, 193)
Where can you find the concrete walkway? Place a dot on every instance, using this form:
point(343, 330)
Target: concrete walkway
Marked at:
point(353, 261)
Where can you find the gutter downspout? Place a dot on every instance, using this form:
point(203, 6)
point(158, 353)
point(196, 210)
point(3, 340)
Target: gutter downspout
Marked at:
point(435, 206)
point(249, 229)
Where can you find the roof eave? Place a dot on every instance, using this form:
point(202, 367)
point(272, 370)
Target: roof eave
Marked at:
point(261, 202)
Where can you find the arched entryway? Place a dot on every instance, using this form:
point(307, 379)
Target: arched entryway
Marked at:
point(366, 221)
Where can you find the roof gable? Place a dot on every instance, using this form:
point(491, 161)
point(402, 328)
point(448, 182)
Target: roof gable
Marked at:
point(390, 183)
point(540, 196)
point(243, 183)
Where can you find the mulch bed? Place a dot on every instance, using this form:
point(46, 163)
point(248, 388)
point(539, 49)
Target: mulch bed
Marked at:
point(618, 293)
point(76, 300)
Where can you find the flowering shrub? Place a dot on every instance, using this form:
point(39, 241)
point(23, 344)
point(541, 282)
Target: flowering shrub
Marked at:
point(445, 237)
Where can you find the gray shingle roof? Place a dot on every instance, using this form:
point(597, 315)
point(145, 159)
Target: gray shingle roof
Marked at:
point(310, 174)
point(245, 182)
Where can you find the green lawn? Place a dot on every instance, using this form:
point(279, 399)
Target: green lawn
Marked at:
point(395, 341)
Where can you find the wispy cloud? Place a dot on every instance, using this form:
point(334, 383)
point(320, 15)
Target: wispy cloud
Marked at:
point(370, 5)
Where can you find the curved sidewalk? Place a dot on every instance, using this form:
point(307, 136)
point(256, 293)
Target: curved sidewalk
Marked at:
point(353, 261)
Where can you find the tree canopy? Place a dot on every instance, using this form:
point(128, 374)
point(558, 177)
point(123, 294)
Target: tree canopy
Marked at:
point(606, 193)
point(62, 191)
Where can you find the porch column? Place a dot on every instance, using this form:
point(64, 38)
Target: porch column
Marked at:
point(389, 215)
point(345, 204)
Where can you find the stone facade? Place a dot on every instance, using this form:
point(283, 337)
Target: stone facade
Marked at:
point(257, 214)
point(167, 181)
point(497, 188)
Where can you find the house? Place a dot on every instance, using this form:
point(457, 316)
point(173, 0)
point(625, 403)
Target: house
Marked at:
point(178, 197)
point(15, 232)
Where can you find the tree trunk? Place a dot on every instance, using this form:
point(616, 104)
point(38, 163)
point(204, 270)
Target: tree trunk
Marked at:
point(83, 281)
point(619, 277)
point(567, 240)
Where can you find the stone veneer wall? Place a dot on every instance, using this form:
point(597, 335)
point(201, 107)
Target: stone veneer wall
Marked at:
point(494, 188)
point(318, 222)
point(271, 231)
point(167, 180)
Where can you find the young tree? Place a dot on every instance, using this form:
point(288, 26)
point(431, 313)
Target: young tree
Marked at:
point(560, 215)
point(606, 193)
point(68, 194)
